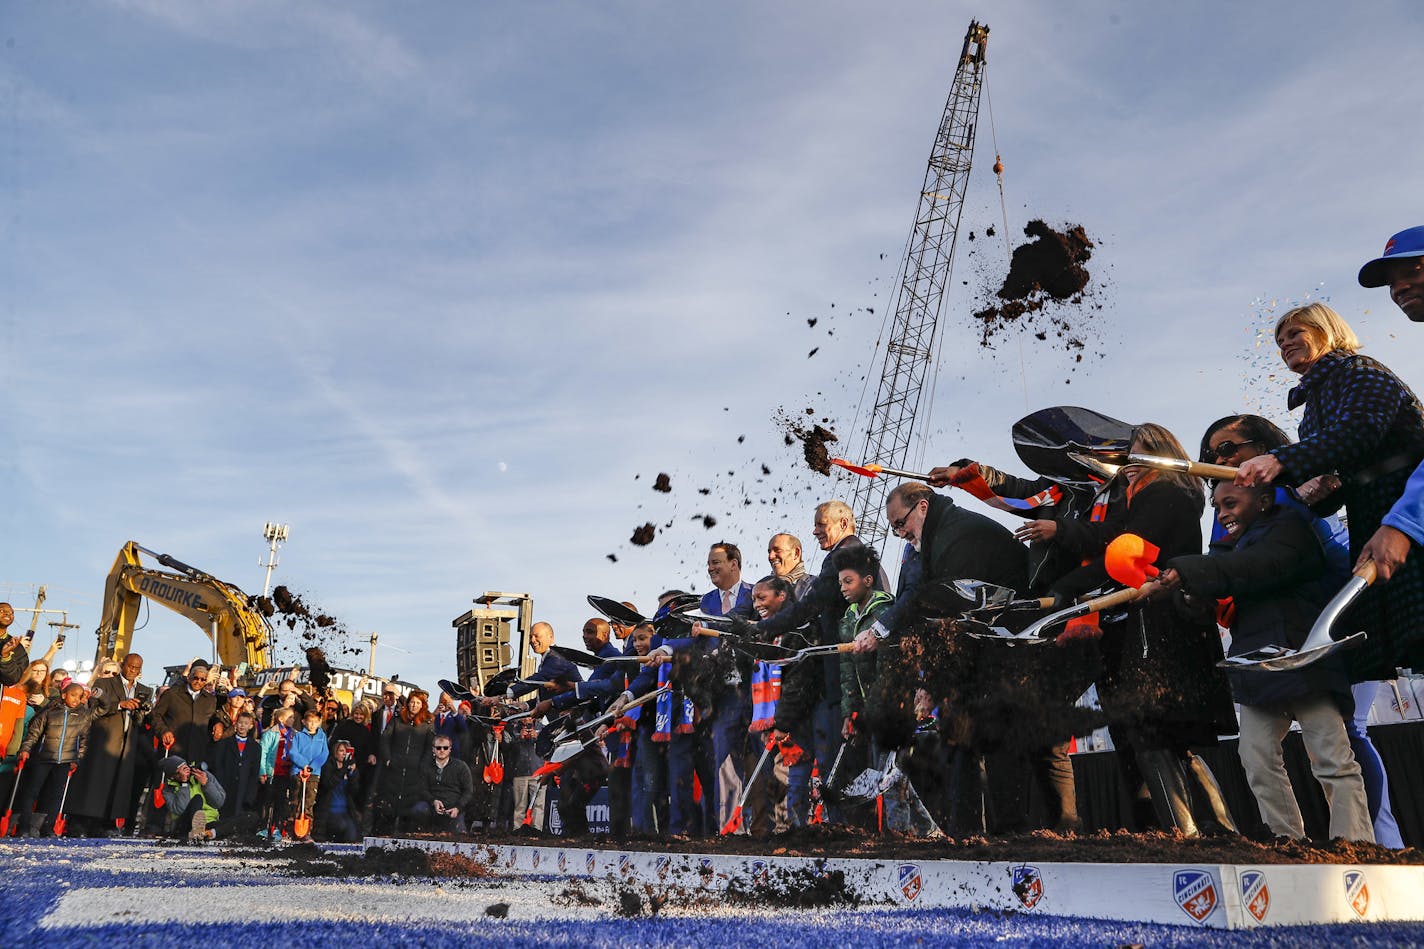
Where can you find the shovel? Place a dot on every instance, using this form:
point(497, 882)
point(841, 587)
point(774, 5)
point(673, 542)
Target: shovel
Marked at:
point(587, 659)
point(1096, 604)
point(616, 611)
point(5, 821)
point(1107, 463)
point(1044, 439)
point(992, 598)
point(735, 821)
point(59, 822)
point(1318, 644)
point(302, 825)
point(610, 716)
point(875, 471)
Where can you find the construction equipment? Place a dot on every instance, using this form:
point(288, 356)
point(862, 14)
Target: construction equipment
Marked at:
point(924, 276)
point(238, 630)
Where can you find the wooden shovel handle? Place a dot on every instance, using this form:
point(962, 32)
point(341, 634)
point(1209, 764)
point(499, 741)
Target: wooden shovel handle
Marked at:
point(1204, 470)
point(1367, 572)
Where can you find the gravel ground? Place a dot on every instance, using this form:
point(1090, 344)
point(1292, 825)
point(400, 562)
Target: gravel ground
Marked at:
point(136, 894)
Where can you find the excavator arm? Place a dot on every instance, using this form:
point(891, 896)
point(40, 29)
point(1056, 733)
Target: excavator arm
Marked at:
point(221, 610)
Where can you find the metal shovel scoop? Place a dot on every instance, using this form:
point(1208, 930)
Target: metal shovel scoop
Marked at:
point(1318, 644)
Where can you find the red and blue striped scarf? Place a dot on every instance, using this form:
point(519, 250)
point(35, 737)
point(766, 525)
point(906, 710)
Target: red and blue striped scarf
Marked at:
point(766, 690)
point(663, 724)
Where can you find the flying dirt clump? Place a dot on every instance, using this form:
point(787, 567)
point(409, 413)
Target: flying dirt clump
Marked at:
point(316, 628)
point(663, 483)
point(1048, 268)
point(813, 440)
point(643, 536)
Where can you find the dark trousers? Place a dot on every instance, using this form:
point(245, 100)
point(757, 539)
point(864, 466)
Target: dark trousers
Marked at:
point(826, 724)
point(41, 787)
point(650, 773)
point(690, 754)
point(620, 801)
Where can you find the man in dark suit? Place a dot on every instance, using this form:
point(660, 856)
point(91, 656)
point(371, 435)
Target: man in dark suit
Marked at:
point(108, 781)
point(184, 712)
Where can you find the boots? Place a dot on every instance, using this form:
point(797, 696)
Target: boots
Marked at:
point(33, 823)
point(1167, 782)
point(1221, 822)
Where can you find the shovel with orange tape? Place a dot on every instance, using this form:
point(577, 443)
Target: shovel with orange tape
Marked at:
point(5, 821)
point(1128, 559)
point(301, 827)
point(60, 822)
point(734, 823)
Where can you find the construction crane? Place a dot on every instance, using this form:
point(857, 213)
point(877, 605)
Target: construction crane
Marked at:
point(924, 276)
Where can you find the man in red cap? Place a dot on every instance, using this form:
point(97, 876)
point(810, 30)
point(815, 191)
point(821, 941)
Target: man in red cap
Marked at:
point(1401, 268)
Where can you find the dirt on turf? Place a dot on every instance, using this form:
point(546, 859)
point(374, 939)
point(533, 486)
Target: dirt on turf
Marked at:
point(1101, 847)
point(308, 860)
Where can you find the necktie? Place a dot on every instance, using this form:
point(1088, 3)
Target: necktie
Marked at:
point(726, 602)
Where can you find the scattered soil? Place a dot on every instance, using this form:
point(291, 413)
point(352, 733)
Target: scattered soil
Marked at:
point(316, 628)
point(1101, 847)
point(643, 536)
point(800, 888)
point(1047, 269)
point(663, 483)
point(309, 861)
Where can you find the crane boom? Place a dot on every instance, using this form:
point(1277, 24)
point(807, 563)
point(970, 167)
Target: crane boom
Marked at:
point(924, 276)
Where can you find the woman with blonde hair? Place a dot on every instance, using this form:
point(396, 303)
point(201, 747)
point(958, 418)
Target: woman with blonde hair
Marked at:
point(1364, 425)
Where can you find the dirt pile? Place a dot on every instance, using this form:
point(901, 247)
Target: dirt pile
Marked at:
point(307, 860)
point(813, 437)
point(1049, 268)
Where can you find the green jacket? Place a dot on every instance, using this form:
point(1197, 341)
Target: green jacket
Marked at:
point(858, 669)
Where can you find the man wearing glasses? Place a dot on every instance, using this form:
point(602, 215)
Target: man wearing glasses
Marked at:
point(449, 786)
point(943, 542)
point(184, 712)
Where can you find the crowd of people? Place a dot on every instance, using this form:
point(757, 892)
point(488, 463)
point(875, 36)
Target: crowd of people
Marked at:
point(695, 724)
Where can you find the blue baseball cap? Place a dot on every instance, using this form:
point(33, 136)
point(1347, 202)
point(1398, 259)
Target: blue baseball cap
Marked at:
point(1409, 243)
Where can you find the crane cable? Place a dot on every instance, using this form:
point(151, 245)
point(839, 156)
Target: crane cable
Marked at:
point(1004, 210)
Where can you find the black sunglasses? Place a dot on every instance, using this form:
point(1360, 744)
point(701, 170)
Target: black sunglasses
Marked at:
point(1228, 449)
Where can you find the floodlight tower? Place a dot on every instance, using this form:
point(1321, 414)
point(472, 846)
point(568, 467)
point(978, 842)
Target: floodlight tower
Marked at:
point(924, 276)
point(275, 534)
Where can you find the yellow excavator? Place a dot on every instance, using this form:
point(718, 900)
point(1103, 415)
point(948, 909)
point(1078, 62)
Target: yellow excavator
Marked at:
point(239, 631)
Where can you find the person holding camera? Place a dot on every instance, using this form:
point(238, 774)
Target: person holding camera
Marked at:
point(191, 798)
point(107, 785)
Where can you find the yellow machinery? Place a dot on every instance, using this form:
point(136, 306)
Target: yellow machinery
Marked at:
point(239, 632)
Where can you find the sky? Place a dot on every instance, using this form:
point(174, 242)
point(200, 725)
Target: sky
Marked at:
point(444, 286)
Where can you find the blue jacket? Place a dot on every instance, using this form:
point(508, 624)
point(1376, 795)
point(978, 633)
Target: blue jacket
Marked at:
point(308, 751)
point(742, 606)
point(1407, 515)
point(602, 683)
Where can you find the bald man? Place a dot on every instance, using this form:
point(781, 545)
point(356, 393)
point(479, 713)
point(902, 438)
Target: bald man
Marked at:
point(559, 674)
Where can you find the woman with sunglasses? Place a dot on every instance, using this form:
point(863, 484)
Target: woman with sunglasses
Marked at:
point(1235, 440)
point(1364, 425)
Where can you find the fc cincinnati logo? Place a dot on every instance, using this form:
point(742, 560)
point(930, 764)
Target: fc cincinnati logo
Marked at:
point(513, 856)
point(1255, 894)
point(534, 858)
point(590, 860)
point(1357, 892)
point(910, 882)
point(1028, 885)
point(1195, 893)
point(563, 862)
point(625, 864)
point(664, 863)
point(761, 873)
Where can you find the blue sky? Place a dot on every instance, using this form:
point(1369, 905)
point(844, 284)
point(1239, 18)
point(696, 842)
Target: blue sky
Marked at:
point(434, 282)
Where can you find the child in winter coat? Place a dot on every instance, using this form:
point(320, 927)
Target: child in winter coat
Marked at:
point(50, 753)
point(859, 570)
point(309, 753)
point(275, 771)
point(1273, 565)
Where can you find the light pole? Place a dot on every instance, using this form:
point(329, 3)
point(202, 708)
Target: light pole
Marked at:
point(371, 666)
point(275, 535)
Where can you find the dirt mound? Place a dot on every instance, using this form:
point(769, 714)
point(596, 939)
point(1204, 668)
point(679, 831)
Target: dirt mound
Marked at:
point(309, 861)
point(1047, 269)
